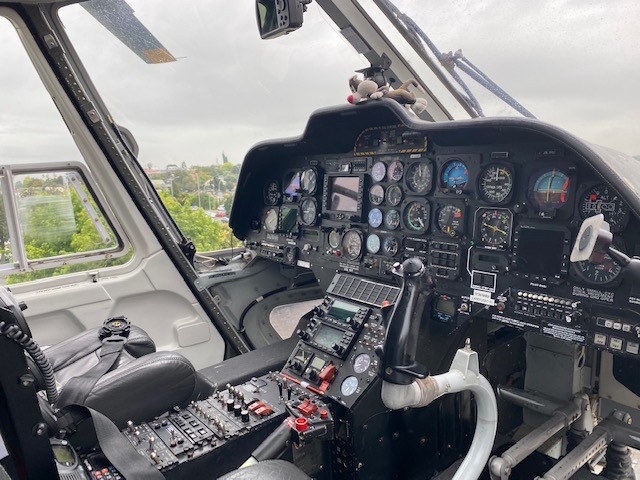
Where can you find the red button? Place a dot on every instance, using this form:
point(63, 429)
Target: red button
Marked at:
point(324, 414)
point(301, 424)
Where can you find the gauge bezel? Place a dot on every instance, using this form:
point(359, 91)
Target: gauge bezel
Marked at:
point(535, 175)
point(315, 188)
point(388, 176)
point(344, 250)
point(384, 175)
point(405, 205)
point(386, 216)
point(409, 166)
point(394, 187)
point(445, 165)
point(478, 229)
point(376, 185)
point(278, 193)
point(264, 219)
point(384, 240)
point(436, 219)
point(339, 234)
point(591, 186)
point(301, 213)
point(506, 166)
point(366, 243)
point(369, 218)
point(580, 277)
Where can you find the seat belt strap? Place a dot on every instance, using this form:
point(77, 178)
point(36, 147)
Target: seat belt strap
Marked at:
point(118, 450)
point(78, 388)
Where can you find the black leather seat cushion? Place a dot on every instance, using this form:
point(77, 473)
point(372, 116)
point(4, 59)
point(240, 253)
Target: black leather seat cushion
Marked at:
point(268, 470)
point(143, 383)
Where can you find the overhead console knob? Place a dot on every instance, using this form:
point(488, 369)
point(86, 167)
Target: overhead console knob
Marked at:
point(230, 403)
point(338, 348)
point(303, 334)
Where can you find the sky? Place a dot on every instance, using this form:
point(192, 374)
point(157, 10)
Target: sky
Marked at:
point(573, 63)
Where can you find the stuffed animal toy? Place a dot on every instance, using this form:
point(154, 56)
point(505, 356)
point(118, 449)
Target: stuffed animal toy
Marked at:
point(364, 90)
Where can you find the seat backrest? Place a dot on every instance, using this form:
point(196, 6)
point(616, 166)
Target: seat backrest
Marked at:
point(10, 302)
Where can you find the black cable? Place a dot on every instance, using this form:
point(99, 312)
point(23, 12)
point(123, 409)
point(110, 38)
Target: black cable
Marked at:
point(13, 332)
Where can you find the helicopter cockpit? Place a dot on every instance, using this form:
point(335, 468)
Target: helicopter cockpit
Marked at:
point(475, 313)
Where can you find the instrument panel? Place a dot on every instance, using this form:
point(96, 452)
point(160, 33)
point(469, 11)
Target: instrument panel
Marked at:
point(494, 223)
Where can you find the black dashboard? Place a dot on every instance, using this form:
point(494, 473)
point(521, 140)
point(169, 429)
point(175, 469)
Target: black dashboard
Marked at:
point(492, 208)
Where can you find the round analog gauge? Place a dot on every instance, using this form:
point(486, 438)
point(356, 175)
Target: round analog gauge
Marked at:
point(271, 192)
point(373, 243)
point(419, 177)
point(271, 220)
point(598, 273)
point(376, 194)
point(309, 180)
point(416, 217)
point(308, 211)
point(550, 190)
point(375, 217)
point(361, 363)
point(349, 386)
point(450, 220)
point(334, 239)
point(392, 219)
point(390, 246)
point(496, 183)
point(394, 195)
point(495, 227)
point(395, 171)
point(455, 174)
point(378, 171)
point(602, 199)
point(352, 244)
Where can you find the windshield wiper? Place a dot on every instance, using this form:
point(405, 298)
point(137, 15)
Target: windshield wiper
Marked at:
point(449, 61)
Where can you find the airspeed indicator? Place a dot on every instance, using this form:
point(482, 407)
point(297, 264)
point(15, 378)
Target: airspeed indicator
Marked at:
point(496, 183)
point(416, 217)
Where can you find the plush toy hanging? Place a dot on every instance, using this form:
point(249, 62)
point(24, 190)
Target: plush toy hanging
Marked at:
point(368, 89)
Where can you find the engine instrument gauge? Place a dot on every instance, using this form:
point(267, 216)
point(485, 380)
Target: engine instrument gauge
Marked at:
point(451, 220)
point(308, 211)
point(598, 273)
point(334, 238)
point(550, 190)
point(603, 199)
point(271, 192)
point(352, 244)
point(394, 195)
point(271, 220)
point(395, 171)
point(416, 217)
point(361, 363)
point(419, 177)
point(309, 180)
point(376, 194)
point(375, 218)
point(349, 386)
point(390, 246)
point(455, 175)
point(494, 227)
point(392, 219)
point(496, 183)
point(378, 171)
point(373, 244)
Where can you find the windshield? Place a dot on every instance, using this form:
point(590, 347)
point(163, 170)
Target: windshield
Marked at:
point(574, 64)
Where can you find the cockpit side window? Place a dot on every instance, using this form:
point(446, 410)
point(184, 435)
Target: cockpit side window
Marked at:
point(52, 218)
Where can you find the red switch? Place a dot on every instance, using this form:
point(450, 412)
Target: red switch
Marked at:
point(327, 373)
point(307, 407)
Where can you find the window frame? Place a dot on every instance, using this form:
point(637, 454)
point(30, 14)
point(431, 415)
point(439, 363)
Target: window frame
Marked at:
point(21, 263)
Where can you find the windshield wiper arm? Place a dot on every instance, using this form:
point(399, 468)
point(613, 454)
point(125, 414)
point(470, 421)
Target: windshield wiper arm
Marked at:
point(452, 60)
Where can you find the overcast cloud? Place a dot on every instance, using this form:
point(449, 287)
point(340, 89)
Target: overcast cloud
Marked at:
point(573, 63)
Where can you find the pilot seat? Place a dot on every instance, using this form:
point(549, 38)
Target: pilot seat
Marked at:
point(142, 382)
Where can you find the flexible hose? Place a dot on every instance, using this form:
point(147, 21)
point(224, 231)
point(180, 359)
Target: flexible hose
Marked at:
point(13, 332)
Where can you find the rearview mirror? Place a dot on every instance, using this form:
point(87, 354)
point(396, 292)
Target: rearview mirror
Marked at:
point(279, 17)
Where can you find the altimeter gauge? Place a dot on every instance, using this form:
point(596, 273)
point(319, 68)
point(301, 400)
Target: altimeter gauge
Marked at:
point(603, 199)
point(309, 181)
point(308, 211)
